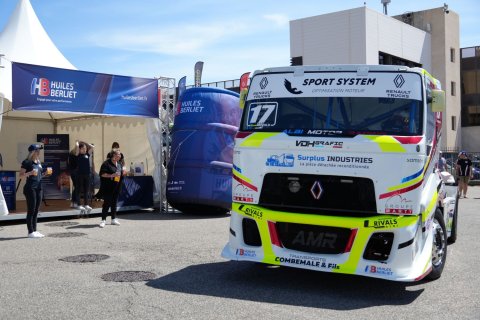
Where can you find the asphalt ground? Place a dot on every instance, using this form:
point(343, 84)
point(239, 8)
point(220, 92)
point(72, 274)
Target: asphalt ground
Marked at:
point(191, 281)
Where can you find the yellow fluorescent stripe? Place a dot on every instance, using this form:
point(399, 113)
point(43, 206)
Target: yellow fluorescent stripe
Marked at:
point(387, 143)
point(256, 139)
point(363, 233)
point(430, 207)
point(406, 184)
point(268, 254)
point(426, 265)
point(350, 266)
point(329, 221)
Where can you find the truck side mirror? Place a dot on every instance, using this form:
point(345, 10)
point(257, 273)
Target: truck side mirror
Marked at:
point(438, 100)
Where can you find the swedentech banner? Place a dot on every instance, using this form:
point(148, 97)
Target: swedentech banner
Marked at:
point(39, 88)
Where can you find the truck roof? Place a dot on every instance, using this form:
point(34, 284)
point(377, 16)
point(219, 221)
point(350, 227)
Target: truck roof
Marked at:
point(360, 68)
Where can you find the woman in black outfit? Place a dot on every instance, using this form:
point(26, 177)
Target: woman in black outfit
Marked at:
point(83, 151)
point(110, 174)
point(32, 170)
point(115, 146)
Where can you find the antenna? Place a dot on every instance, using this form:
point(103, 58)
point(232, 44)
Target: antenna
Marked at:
point(385, 5)
point(445, 8)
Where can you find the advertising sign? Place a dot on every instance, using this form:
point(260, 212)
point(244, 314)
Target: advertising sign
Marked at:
point(38, 88)
point(7, 182)
point(342, 84)
point(200, 166)
point(198, 73)
point(182, 86)
point(56, 148)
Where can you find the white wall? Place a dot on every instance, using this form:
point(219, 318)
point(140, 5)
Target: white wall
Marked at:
point(330, 38)
point(130, 133)
point(16, 132)
point(386, 34)
point(356, 36)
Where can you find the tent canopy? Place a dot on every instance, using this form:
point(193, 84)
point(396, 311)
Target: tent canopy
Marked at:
point(25, 40)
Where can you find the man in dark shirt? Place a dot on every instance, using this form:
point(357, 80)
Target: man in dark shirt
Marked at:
point(464, 172)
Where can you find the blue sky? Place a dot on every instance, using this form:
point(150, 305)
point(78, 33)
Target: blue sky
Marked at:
point(152, 38)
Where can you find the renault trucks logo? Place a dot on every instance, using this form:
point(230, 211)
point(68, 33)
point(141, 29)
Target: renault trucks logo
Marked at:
point(288, 86)
point(263, 83)
point(399, 81)
point(46, 88)
point(316, 190)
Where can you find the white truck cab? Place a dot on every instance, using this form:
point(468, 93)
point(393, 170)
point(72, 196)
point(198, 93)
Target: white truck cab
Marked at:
point(334, 170)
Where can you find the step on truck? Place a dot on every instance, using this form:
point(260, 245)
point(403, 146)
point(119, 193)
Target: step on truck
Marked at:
point(334, 170)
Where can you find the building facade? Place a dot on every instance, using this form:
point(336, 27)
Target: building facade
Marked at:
point(428, 39)
point(470, 90)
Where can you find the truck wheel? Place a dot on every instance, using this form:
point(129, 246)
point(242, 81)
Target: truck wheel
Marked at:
point(453, 232)
point(439, 248)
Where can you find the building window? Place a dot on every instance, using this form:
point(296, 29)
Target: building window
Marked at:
point(473, 115)
point(454, 123)
point(296, 61)
point(453, 88)
point(452, 54)
point(385, 58)
point(470, 86)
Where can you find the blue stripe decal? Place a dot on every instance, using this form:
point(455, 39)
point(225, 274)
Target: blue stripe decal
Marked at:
point(413, 176)
point(237, 168)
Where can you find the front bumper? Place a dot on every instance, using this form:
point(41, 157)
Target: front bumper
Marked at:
point(409, 257)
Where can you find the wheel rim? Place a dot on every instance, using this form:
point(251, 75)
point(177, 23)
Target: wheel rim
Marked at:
point(438, 248)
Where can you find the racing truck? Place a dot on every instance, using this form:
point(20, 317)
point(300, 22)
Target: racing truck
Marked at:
point(334, 169)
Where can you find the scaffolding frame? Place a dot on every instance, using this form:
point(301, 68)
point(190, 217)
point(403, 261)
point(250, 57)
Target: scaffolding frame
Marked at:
point(166, 113)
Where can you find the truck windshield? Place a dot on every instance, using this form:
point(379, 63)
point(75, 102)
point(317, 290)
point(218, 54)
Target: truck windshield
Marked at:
point(341, 115)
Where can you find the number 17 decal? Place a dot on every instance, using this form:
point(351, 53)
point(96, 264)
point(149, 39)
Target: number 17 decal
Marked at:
point(262, 114)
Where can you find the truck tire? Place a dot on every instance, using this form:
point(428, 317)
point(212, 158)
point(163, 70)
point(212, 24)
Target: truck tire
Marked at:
point(439, 246)
point(453, 232)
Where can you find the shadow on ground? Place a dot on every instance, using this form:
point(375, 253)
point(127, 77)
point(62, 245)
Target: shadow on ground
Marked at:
point(170, 216)
point(289, 286)
point(13, 238)
point(83, 226)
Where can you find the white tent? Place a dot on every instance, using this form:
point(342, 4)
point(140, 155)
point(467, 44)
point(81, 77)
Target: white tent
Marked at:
point(25, 40)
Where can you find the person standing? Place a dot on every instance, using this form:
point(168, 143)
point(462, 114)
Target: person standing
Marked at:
point(83, 151)
point(32, 170)
point(442, 163)
point(110, 174)
point(115, 146)
point(464, 172)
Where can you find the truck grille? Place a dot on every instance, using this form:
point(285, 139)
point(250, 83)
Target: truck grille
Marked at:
point(312, 238)
point(318, 194)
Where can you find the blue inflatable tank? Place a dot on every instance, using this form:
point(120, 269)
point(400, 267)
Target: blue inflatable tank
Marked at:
point(200, 165)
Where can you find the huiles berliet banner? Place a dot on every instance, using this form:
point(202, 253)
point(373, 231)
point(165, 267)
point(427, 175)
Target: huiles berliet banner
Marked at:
point(39, 88)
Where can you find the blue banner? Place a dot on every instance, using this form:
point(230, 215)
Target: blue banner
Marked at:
point(7, 183)
point(182, 84)
point(38, 88)
point(56, 149)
